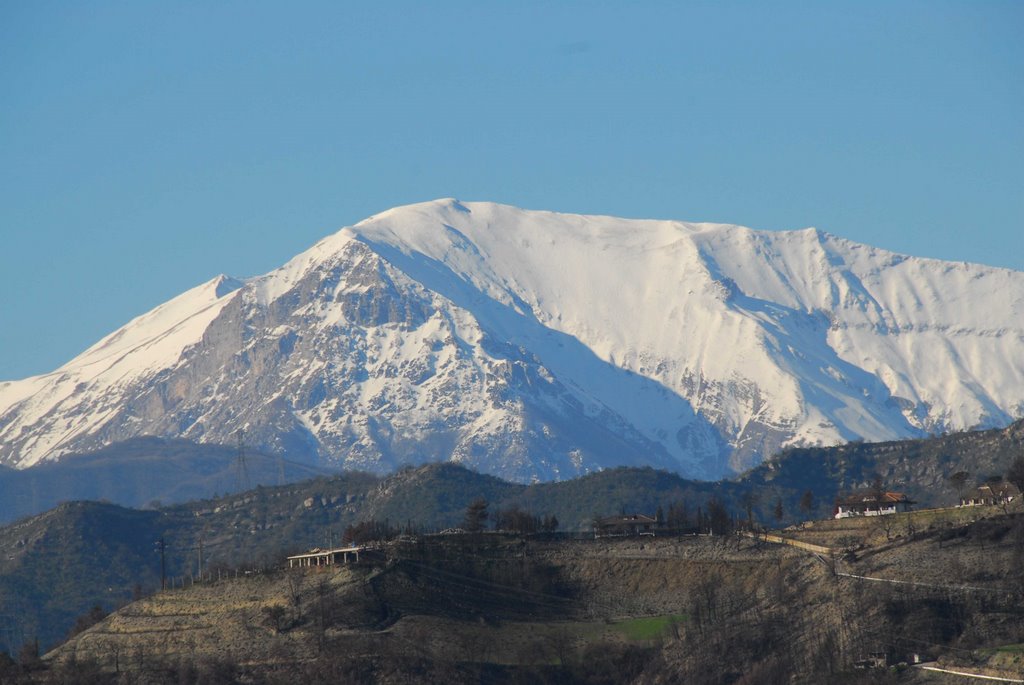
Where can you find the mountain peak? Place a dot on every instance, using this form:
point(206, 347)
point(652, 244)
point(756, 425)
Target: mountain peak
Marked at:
point(534, 344)
point(225, 285)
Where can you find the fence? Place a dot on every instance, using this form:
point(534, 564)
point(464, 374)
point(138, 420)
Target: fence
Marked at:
point(778, 539)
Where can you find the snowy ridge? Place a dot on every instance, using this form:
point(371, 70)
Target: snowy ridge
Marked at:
point(543, 345)
point(133, 353)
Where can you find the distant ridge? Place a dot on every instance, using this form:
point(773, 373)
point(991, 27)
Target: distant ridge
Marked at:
point(138, 473)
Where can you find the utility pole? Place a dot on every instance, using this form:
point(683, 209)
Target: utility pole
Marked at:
point(242, 469)
point(160, 545)
point(199, 549)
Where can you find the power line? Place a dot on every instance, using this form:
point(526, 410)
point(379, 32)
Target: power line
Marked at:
point(932, 586)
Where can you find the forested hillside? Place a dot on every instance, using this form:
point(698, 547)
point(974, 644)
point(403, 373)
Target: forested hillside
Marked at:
point(143, 472)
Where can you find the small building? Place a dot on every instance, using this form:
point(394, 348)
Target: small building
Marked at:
point(625, 525)
point(991, 493)
point(325, 557)
point(873, 660)
point(872, 503)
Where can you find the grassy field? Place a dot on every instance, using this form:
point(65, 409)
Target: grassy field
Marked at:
point(1011, 649)
point(647, 628)
point(1006, 658)
point(550, 643)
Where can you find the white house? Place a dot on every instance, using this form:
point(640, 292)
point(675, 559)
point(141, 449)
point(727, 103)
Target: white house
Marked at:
point(872, 503)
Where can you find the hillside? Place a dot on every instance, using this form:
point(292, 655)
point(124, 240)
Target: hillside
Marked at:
point(542, 346)
point(502, 609)
point(56, 566)
point(255, 529)
point(921, 468)
point(143, 472)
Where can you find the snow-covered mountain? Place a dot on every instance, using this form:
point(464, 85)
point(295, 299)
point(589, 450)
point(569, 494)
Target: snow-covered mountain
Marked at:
point(542, 345)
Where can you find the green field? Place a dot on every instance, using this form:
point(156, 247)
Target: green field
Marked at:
point(647, 628)
point(1010, 649)
point(1004, 657)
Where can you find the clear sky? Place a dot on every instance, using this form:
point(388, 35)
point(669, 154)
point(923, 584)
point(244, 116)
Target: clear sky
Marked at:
point(146, 147)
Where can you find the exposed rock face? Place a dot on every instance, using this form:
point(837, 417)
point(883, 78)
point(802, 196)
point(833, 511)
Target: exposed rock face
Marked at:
point(538, 346)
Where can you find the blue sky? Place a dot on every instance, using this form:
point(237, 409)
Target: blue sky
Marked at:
point(147, 147)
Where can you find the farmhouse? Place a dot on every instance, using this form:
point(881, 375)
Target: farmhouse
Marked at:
point(624, 525)
point(324, 557)
point(872, 503)
point(991, 493)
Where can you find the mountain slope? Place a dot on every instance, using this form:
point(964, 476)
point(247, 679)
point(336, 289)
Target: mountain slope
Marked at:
point(919, 468)
point(541, 345)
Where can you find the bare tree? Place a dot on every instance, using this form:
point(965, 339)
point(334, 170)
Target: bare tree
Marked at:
point(323, 612)
point(749, 500)
point(958, 480)
point(877, 487)
point(704, 602)
point(911, 525)
point(887, 524)
point(678, 515)
point(274, 617)
point(295, 588)
point(718, 519)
